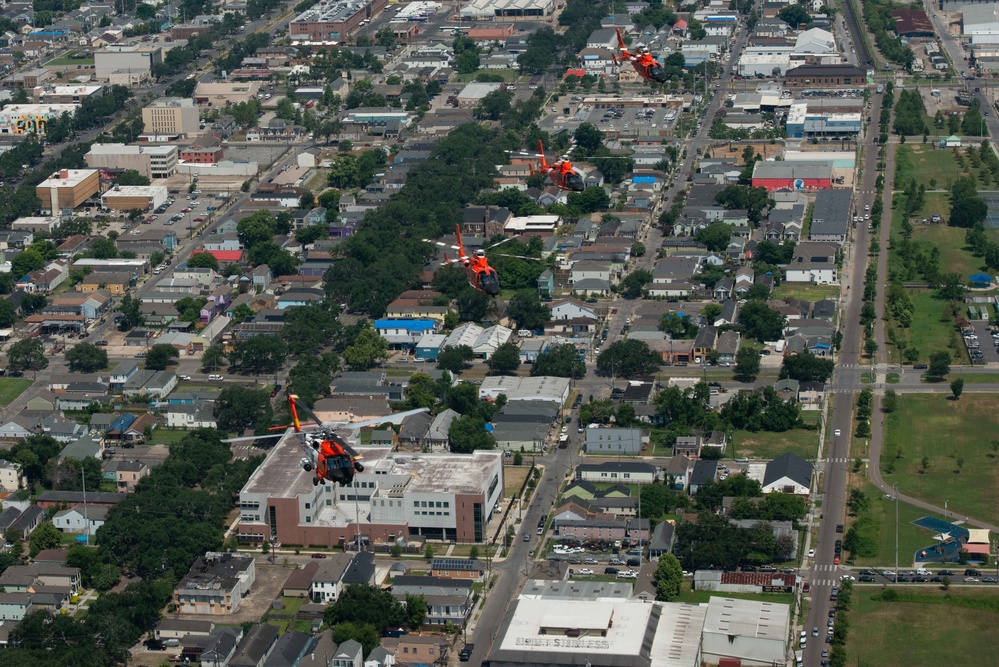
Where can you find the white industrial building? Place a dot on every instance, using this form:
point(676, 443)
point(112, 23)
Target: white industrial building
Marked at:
point(542, 388)
point(482, 341)
point(32, 118)
point(131, 61)
point(599, 632)
point(815, 41)
point(484, 9)
point(765, 65)
point(754, 632)
point(981, 23)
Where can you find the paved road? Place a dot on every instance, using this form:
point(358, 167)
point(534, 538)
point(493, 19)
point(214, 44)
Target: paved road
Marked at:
point(834, 473)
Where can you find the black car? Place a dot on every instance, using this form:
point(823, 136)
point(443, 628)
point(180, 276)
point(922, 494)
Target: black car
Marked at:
point(154, 645)
point(972, 573)
point(466, 653)
point(866, 578)
point(903, 580)
point(920, 367)
point(937, 580)
point(15, 374)
point(945, 573)
point(869, 572)
point(611, 570)
point(748, 568)
point(634, 562)
point(839, 528)
point(920, 579)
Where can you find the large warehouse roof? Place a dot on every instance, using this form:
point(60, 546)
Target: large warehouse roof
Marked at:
point(795, 169)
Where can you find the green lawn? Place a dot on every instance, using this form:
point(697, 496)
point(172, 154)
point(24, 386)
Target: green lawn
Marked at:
point(931, 330)
point(928, 627)
point(68, 60)
point(977, 378)
point(165, 436)
point(806, 292)
point(936, 168)
point(910, 536)
point(948, 433)
point(764, 445)
point(697, 597)
point(11, 388)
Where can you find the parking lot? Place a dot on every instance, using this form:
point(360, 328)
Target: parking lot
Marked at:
point(986, 348)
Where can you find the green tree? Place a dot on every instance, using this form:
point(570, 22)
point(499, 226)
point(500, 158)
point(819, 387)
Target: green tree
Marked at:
point(160, 357)
point(588, 137)
point(131, 315)
point(416, 611)
point(203, 260)
point(45, 536)
point(366, 604)
point(806, 367)
point(213, 359)
point(668, 578)
point(939, 365)
point(131, 177)
point(627, 358)
point(368, 349)
point(715, 236)
point(505, 360)
point(27, 355)
point(455, 358)
point(239, 408)
point(526, 309)
point(559, 361)
point(468, 433)
point(633, 284)
point(259, 355)
point(311, 376)
point(365, 634)
point(747, 364)
point(957, 387)
point(889, 403)
point(103, 248)
point(86, 358)
point(761, 321)
point(8, 314)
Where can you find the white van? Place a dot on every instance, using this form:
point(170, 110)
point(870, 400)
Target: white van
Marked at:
point(215, 378)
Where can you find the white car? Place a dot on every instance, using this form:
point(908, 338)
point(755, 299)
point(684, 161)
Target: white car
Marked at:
point(586, 570)
point(847, 577)
point(185, 378)
point(837, 433)
point(811, 553)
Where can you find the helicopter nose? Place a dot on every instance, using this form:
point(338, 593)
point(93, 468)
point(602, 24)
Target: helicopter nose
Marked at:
point(490, 284)
point(575, 183)
point(657, 74)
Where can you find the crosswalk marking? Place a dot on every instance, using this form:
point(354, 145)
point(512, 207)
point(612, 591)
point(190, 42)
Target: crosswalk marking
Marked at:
point(837, 459)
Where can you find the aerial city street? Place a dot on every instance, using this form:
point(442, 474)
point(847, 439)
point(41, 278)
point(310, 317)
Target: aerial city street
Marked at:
point(507, 333)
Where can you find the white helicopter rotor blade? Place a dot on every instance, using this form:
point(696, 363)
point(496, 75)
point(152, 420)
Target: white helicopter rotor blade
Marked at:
point(499, 243)
point(533, 259)
point(250, 438)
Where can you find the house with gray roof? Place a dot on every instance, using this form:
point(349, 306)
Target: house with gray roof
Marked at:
point(437, 439)
point(626, 472)
point(831, 215)
point(255, 646)
point(349, 654)
point(613, 441)
point(788, 473)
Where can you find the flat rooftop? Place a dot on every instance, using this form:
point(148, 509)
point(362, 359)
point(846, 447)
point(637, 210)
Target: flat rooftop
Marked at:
point(748, 618)
point(12, 110)
point(67, 178)
point(330, 12)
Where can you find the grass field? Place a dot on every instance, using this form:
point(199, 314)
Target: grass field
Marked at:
point(910, 536)
point(764, 445)
point(696, 597)
point(68, 60)
point(934, 167)
point(806, 292)
point(11, 388)
point(930, 331)
point(931, 627)
point(165, 436)
point(977, 378)
point(955, 437)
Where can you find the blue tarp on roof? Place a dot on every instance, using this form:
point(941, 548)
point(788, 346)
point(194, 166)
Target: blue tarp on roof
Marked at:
point(408, 324)
point(123, 422)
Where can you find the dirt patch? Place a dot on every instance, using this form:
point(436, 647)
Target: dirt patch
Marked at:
point(513, 479)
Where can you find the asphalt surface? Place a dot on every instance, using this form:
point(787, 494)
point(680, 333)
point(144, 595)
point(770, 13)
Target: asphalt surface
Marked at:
point(822, 571)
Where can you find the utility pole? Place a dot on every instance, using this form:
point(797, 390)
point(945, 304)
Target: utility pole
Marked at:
point(86, 519)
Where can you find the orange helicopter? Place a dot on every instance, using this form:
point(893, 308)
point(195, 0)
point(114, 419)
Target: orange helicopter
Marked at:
point(481, 276)
point(647, 67)
point(325, 452)
point(562, 174)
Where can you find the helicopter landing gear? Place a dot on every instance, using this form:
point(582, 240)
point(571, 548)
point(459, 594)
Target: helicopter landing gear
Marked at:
point(358, 467)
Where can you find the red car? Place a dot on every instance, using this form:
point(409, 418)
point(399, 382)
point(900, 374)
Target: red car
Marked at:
point(186, 210)
point(199, 219)
point(275, 390)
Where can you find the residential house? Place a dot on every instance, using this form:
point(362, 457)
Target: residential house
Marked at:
point(80, 519)
point(613, 441)
point(626, 472)
point(458, 568)
point(687, 445)
point(662, 539)
point(813, 263)
point(704, 470)
point(348, 654)
point(327, 583)
point(255, 646)
point(788, 473)
point(447, 599)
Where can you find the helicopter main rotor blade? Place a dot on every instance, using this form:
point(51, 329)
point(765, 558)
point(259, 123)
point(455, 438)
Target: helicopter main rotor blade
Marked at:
point(250, 438)
point(533, 259)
